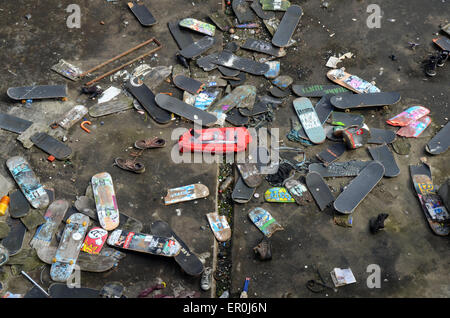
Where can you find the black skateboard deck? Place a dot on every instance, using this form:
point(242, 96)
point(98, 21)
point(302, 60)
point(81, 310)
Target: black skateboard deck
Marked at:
point(35, 292)
point(63, 291)
point(261, 106)
point(228, 71)
point(228, 59)
point(112, 290)
point(241, 192)
point(287, 26)
point(440, 142)
point(263, 47)
point(346, 120)
point(348, 101)
point(240, 80)
point(182, 109)
point(207, 62)
point(147, 100)
point(298, 190)
point(242, 11)
point(187, 260)
point(37, 92)
point(359, 188)
point(324, 108)
point(51, 146)
point(263, 14)
point(319, 190)
point(199, 47)
point(183, 38)
point(331, 153)
point(277, 92)
point(14, 124)
point(443, 42)
point(235, 118)
point(381, 136)
point(18, 205)
point(14, 241)
point(317, 90)
point(142, 13)
point(339, 169)
point(384, 155)
point(188, 84)
point(422, 168)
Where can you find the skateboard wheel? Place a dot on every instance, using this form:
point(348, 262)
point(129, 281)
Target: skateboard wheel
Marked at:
point(71, 262)
point(64, 99)
point(68, 221)
point(84, 223)
point(23, 101)
point(53, 260)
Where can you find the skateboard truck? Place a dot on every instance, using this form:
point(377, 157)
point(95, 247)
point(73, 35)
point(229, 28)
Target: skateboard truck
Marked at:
point(159, 46)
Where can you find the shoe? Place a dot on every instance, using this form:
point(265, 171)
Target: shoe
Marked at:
point(205, 282)
point(377, 223)
point(264, 249)
point(442, 58)
point(155, 142)
point(129, 165)
point(430, 68)
point(355, 137)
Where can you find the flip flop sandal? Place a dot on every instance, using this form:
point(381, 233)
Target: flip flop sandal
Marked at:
point(150, 143)
point(129, 165)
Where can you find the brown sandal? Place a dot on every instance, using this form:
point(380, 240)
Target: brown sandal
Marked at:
point(154, 142)
point(129, 165)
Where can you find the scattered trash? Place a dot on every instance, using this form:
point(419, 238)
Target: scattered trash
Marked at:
point(342, 277)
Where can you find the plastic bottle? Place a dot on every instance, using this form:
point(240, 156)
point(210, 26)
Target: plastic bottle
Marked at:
point(4, 202)
point(244, 293)
point(225, 294)
point(226, 183)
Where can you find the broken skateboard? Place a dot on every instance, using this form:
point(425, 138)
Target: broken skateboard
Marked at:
point(183, 38)
point(187, 260)
point(317, 90)
point(105, 201)
point(228, 59)
point(241, 192)
point(72, 116)
point(319, 190)
point(416, 128)
point(287, 26)
point(331, 153)
point(339, 169)
point(144, 243)
point(14, 124)
point(14, 241)
point(94, 241)
point(386, 158)
point(279, 195)
point(298, 190)
point(359, 188)
point(186, 193)
point(28, 182)
point(408, 116)
point(351, 82)
point(219, 226)
point(66, 255)
point(188, 84)
point(142, 13)
point(309, 120)
point(440, 142)
point(197, 48)
point(349, 101)
point(275, 5)
point(199, 26)
point(52, 146)
point(37, 92)
point(264, 221)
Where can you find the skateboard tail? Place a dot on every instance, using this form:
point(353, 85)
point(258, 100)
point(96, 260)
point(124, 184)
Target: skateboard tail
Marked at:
point(61, 272)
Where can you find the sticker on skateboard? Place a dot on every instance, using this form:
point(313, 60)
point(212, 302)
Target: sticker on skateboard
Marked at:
point(53, 218)
point(28, 182)
point(105, 201)
point(331, 153)
point(52, 146)
point(319, 190)
point(144, 243)
point(142, 13)
point(287, 26)
point(14, 124)
point(94, 241)
point(416, 128)
point(346, 119)
point(309, 120)
point(440, 142)
point(199, 26)
point(69, 247)
point(219, 226)
point(318, 90)
point(264, 221)
point(186, 193)
point(278, 195)
point(359, 188)
point(351, 82)
point(349, 101)
point(384, 155)
point(408, 116)
point(37, 92)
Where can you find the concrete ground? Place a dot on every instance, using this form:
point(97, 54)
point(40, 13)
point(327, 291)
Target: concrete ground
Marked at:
point(413, 261)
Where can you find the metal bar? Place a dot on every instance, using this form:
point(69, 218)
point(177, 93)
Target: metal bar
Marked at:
point(35, 284)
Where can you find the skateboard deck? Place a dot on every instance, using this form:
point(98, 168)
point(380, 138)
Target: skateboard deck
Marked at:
point(95, 263)
point(28, 182)
point(279, 195)
point(283, 82)
point(53, 218)
point(309, 120)
point(52, 146)
point(112, 290)
point(346, 119)
point(261, 106)
point(122, 103)
point(14, 241)
point(319, 190)
point(199, 26)
point(432, 206)
point(215, 140)
point(287, 26)
point(199, 47)
point(188, 84)
point(144, 243)
point(147, 100)
point(241, 192)
point(240, 96)
point(317, 90)
point(381, 136)
point(277, 92)
point(142, 13)
point(275, 5)
point(94, 241)
point(440, 142)
point(186, 193)
point(331, 153)
point(263, 14)
point(37, 92)
point(339, 169)
point(408, 116)
point(242, 11)
point(298, 191)
point(250, 174)
point(105, 201)
point(228, 59)
point(184, 110)
point(386, 158)
point(274, 69)
point(359, 188)
point(72, 116)
point(416, 128)
point(348, 101)
point(219, 226)
point(182, 37)
point(18, 205)
point(264, 221)
point(263, 47)
point(187, 260)
point(446, 28)
point(235, 118)
point(68, 250)
point(443, 43)
point(221, 20)
point(228, 71)
point(14, 124)
point(324, 108)
point(63, 291)
point(351, 82)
